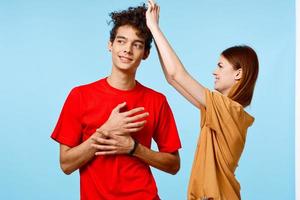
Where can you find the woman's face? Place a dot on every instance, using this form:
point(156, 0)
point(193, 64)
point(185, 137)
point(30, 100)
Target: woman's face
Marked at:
point(225, 76)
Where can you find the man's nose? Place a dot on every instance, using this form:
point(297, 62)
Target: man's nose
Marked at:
point(128, 48)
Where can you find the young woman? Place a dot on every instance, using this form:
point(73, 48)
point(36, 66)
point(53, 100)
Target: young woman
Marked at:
point(224, 122)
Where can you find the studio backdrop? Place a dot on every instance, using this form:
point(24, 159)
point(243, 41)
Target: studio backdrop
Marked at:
point(49, 47)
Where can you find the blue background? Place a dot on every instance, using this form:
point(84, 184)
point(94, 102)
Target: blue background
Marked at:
point(48, 47)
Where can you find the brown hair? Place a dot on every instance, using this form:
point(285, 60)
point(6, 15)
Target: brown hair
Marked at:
point(243, 57)
point(135, 17)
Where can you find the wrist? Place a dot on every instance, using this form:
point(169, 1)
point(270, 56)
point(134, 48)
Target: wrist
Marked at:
point(135, 145)
point(104, 127)
point(154, 28)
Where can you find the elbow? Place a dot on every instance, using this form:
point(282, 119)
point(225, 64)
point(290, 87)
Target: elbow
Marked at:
point(170, 79)
point(174, 77)
point(66, 169)
point(175, 167)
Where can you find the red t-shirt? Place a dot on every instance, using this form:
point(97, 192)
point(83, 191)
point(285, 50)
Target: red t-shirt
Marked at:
point(121, 177)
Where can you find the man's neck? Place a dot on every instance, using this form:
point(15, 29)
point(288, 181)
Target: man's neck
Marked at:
point(121, 81)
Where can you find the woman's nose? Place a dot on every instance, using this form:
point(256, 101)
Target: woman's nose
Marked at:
point(214, 72)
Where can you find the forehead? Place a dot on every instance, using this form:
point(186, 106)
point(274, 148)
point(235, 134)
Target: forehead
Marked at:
point(224, 61)
point(129, 32)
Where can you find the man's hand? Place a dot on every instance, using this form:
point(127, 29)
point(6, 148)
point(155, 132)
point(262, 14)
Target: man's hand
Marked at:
point(112, 144)
point(124, 123)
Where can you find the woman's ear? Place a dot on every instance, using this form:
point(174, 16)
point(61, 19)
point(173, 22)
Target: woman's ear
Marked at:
point(238, 74)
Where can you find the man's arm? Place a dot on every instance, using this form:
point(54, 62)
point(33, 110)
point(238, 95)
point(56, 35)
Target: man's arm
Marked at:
point(72, 158)
point(123, 144)
point(168, 162)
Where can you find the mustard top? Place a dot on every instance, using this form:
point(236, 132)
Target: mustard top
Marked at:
point(224, 125)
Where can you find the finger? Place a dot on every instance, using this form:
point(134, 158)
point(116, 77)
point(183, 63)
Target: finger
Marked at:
point(103, 133)
point(100, 134)
point(104, 141)
point(136, 117)
point(133, 111)
point(150, 2)
point(96, 136)
point(117, 137)
point(104, 147)
point(135, 124)
point(156, 8)
point(133, 130)
point(149, 7)
point(124, 132)
point(119, 106)
point(103, 153)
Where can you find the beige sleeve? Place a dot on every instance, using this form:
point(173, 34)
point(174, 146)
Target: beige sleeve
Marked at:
point(223, 114)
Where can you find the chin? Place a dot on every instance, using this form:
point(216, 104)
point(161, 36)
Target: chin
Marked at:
point(217, 89)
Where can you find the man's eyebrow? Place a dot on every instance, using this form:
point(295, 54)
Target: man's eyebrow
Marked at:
point(125, 38)
point(121, 37)
point(140, 41)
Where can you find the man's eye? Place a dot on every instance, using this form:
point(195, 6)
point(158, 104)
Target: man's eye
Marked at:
point(138, 46)
point(120, 41)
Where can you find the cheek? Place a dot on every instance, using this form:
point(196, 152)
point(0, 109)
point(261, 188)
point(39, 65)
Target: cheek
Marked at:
point(230, 80)
point(139, 56)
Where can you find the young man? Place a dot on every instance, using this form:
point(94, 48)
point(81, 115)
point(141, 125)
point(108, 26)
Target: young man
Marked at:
point(105, 128)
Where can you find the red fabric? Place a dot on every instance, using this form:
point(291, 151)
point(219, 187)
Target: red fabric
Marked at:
point(119, 177)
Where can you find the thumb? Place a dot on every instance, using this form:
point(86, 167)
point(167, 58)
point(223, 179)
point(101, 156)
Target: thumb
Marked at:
point(119, 106)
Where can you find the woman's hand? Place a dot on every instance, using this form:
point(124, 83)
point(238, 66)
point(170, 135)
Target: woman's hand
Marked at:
point(152, 15)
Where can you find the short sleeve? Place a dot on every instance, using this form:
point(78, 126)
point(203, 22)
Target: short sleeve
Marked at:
point(68, 128)
point(166, 134)
point(222, 112)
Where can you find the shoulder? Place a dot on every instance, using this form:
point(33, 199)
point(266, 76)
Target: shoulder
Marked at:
point(226, 104)
point(153, 94)
point(87, 87)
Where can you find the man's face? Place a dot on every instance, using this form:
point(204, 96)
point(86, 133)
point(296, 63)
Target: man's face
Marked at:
point(128, 49)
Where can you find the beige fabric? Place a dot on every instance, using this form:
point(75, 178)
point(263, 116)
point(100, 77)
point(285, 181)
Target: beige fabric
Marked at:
point(224, 125)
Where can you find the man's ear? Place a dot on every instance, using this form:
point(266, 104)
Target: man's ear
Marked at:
point(109, 46)
point(238, 74)
point(146, 54)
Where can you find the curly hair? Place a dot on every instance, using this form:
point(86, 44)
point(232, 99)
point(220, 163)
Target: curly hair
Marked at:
point(135, 17)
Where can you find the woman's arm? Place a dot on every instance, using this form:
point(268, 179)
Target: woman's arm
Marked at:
point(174, 70)
point(172, 82)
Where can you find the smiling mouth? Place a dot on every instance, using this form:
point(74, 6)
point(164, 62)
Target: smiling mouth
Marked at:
point(125, 59)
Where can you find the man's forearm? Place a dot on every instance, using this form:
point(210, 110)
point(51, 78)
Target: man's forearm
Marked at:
point(72, 159)
point(168, 162)
point(123, 144)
